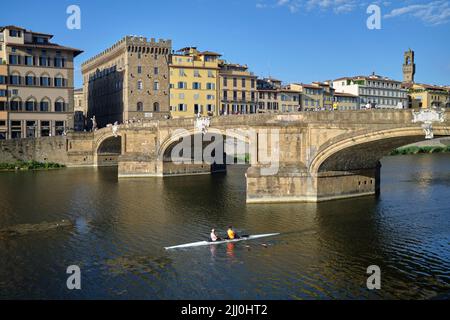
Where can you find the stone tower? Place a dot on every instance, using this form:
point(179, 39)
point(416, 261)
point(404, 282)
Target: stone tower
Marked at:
point(409, 67)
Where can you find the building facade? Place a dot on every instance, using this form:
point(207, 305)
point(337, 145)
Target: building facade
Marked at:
point(128, 81)
point(194, 83)
point(274, 98)
point(80, 111)
point(374, 91)
point(238, 91)
point(36, 84)
point(345, 101)
point(426, 96)
point(312, 96)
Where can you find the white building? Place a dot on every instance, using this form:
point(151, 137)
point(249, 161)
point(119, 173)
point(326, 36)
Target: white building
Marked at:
point(374, 91)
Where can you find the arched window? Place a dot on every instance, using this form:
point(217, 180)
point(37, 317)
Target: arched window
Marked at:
point(140, 85)
point(44, 80)
point(15, 78)
point(59, 80)
point(30, 79)
point(15, 104)
point(30, 104)
point(60, 106)
point(156, 107)
point(140, 106)
point(44, 105)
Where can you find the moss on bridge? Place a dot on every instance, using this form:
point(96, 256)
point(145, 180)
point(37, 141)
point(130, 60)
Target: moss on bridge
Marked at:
point(420, 150)
point(30, 165)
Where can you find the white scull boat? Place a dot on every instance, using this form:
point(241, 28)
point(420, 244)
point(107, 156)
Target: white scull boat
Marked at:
point(207, 243)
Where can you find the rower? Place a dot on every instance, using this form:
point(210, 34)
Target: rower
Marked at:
point(214, 236)
point(231, 234)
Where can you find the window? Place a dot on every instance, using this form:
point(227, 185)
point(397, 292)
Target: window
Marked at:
point(243, 83)
point(13, 59)
point(181, 96)
point(45, 128)
point(59, 82)
point(211, 86)
point(225, 95)
point(182, 107)
point(253, 83)
point(15, 105)
point(3, 93)
point(210, 74)
point(44, 106)
point(225, 81)
point(59, 128)
point(2, 79)
point(181, 73)
point(156, 107)
point(182, 85)
point(210, 97)
point(234, 82)
point(196, 85)
point(210, 108)
point(45, 81)
point(28, 60)
point(59, 62)
point(30, 105)
point(139, 85)
point(140, 106)
point(43, 62)
point(139, 69)
point(59, 106)
point(14, 79)
point(196, 73)
point(156, 70)
point(156, 85)
point(15, 33)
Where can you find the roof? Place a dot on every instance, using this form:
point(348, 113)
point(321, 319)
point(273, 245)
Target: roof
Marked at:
point(49, 46)
point(209, 53)
point(343, 94)
point(430, 86)
point(370, 77)
point(23, 29)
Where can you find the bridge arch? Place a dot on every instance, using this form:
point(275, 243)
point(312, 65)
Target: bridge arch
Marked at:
point(164, 151)
point(364, 150)
point(107, 148)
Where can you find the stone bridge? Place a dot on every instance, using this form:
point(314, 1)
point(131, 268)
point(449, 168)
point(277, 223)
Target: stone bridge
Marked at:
point(320, 155)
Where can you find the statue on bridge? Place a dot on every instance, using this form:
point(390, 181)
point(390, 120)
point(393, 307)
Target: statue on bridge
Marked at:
point(94, 124)
point(428, 117)
point(202, 123)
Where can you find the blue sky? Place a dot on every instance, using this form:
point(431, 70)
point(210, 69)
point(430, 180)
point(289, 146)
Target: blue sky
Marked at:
point(293, 40)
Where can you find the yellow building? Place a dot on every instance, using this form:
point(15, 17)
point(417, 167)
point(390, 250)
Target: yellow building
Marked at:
point(312, 96)
point(194, 83)
point(425, 96)
point(238, 90)
point(345, 101)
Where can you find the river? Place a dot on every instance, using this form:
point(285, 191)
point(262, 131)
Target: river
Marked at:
point(322, 253)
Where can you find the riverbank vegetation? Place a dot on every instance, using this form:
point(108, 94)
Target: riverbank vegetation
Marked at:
point(420, 150)
point(29, 165)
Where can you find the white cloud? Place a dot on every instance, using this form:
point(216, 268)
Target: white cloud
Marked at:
point(432, 13)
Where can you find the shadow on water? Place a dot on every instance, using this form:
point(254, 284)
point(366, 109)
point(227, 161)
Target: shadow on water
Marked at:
point(122, 226)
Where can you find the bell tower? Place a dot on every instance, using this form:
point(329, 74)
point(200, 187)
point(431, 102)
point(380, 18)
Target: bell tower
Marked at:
point(409, 67)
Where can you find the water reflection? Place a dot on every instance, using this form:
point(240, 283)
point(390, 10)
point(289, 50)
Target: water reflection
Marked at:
point(323, 250)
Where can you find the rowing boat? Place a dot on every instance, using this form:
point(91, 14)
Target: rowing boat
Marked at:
point(207, 243)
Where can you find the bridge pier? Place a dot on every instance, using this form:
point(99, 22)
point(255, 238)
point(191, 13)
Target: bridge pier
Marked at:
point(294, 184)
